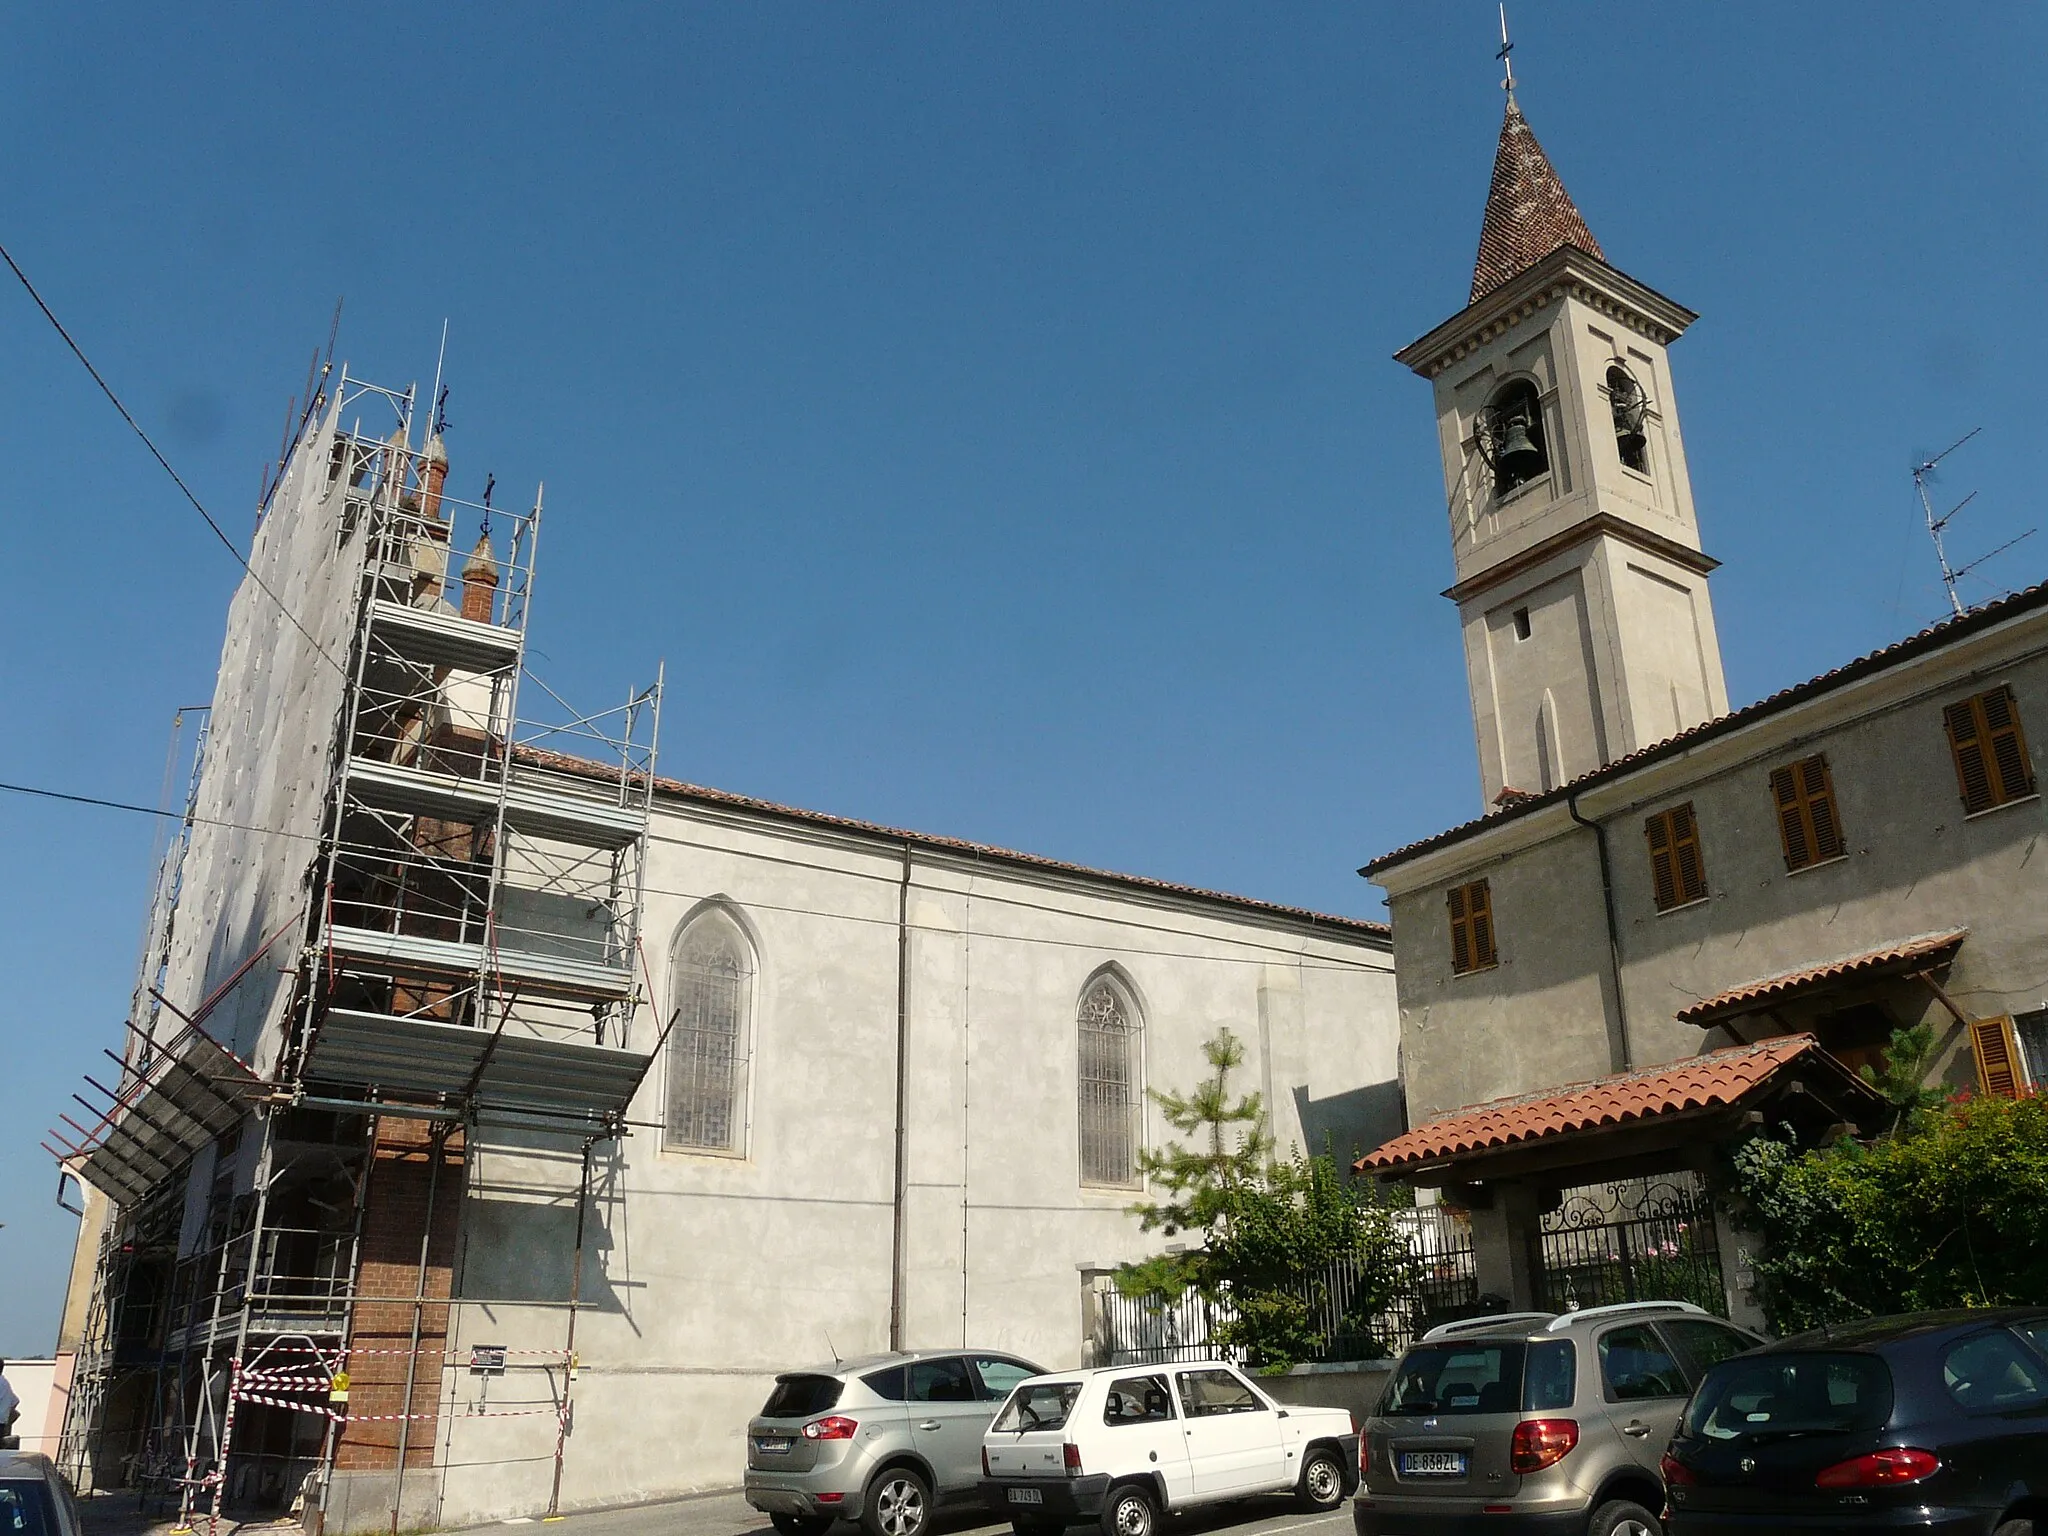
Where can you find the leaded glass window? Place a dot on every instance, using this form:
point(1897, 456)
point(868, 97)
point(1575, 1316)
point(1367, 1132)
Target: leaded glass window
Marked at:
point(1110, 1085)
point(711, 998)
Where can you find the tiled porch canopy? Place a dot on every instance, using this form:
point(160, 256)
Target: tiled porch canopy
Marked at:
point(1921, 952)
point(1642, 1121)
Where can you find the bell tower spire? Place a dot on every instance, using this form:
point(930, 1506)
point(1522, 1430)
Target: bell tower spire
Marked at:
point(1581, 585)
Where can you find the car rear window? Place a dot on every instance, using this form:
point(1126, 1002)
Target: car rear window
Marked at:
point(1481, 1377)
point(796, 1397)
point(1040, 1405)
point(25, 1509)
point(1773, 1396)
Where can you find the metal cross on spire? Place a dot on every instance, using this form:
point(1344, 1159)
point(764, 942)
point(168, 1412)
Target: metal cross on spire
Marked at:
point(1506, 54)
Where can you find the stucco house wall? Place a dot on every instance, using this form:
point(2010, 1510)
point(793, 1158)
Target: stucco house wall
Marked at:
point(1546, 1014)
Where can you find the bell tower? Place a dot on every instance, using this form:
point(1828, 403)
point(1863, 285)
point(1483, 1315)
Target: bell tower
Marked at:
point(1580, 583)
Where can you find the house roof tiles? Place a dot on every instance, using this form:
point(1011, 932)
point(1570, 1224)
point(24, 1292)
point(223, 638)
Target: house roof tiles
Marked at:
point(1754, 995)
point(1710, 1081)
point(1984, 616)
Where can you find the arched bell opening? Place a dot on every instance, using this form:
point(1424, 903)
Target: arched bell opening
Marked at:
point(1630, 403)
point(1511, 437)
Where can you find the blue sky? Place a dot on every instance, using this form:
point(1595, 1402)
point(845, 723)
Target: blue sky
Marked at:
point(986, 411)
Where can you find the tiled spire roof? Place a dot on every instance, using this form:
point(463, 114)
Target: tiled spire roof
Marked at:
point(1528, 212)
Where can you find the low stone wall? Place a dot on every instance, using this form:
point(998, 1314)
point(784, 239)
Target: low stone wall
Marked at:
point(1352, 1384)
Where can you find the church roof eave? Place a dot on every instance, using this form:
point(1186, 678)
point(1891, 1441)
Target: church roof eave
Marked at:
point(1635, 303)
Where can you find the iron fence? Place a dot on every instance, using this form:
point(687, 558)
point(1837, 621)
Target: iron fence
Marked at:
point(1435, 1284)
point(1634, 1240)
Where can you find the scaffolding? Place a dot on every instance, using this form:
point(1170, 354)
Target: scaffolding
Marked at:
point(467, 955)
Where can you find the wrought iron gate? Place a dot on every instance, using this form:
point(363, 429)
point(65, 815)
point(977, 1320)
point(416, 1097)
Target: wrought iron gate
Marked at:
point(1635, 1240)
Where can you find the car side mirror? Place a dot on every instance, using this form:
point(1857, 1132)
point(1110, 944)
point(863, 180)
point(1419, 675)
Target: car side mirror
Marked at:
point(1282, 1412)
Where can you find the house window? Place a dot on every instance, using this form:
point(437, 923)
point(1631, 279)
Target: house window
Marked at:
point(1678, 875)
point(1990, 750)
point(710, 1006)
point(1472, 947)
point(1522, 630)
point(1111, 1087)
point(2032, 1030)
point(1807, 824)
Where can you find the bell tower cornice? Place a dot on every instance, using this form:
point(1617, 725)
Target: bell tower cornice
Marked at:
point(1565, 273)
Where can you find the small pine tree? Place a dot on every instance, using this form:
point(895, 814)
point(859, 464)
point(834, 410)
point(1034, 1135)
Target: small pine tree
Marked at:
point(1901, 1076)
point(1270, 1230)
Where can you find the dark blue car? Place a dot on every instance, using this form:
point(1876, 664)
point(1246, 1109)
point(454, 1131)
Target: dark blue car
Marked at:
point(1932, 1422)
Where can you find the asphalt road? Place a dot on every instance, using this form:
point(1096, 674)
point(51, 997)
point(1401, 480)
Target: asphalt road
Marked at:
point(727, 1514)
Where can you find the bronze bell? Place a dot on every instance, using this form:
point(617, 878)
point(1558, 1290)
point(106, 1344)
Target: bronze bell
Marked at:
point(1632, 440)
point(1519, 457)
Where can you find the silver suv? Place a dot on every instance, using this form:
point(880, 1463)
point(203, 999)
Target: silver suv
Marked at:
point(883, 1440)
point(1536, 1425)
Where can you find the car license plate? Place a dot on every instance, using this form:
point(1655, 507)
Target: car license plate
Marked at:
point(1026, 1496)
point(773, 1445)
point(1432, 1463)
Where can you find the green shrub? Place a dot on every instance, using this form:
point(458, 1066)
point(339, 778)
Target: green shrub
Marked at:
point(1949, 1210)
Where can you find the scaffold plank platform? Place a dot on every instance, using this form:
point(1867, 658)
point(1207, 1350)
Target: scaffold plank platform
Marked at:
point(565, 1079)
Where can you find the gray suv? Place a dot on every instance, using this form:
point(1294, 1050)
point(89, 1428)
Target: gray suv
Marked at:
point(883, 1440)
point(1535, 1425)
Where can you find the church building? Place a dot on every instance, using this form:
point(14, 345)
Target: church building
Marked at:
point(498, 1116)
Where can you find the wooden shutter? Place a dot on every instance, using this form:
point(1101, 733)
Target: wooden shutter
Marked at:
point(2006, 746)
point(1685, 852)
point(1973, 769)
point(1804, 794)
point(1471, 908)
point(1998, 1057)
point(1678, 872)
point(1663, 870)
point(1479, 904)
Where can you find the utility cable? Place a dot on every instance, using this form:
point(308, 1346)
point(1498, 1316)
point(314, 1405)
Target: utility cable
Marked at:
point(150, 810)
point(177, 479)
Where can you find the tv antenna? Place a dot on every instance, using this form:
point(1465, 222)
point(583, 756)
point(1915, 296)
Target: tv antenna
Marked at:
point(1938, 526)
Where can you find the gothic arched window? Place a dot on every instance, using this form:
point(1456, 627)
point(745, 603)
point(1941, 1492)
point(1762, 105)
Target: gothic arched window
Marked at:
point(1112, 1086)
point(711, 995)
point(1511, 436)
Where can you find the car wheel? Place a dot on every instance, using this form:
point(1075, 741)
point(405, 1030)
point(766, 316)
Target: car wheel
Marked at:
point(802, 1525)
point(1322, 1481)
point(899, 1503)
point(1129, 1511)
point(1624, 1518)
point(2015, 1528)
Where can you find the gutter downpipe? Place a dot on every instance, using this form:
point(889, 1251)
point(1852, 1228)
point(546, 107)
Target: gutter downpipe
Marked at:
point(1619, 1044)
point(896, 1241)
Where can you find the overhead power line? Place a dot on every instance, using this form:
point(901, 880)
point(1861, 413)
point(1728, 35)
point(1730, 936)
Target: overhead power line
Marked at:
point(218, 532)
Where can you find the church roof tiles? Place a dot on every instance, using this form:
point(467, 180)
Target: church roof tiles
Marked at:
point(675, 789)
point(1528, 212)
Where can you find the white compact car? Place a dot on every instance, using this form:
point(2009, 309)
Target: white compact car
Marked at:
point(1126, 1444)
